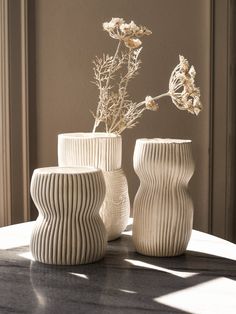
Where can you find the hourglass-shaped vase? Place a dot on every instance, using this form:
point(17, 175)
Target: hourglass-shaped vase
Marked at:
point(163, 209)
point(69, 229)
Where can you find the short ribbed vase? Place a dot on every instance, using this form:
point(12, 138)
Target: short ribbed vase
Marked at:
point(163, 209)
point(69, 229)
point(104, 151)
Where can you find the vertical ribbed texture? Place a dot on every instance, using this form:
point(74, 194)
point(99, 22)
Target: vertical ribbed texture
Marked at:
point(90, 149)
point(163, 210)
point(68, 229)
point(115, 209)
point(102, 150)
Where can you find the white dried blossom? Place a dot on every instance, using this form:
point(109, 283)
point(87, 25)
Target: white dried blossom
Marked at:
point(119, 29)
point(114, 22)
point(112, 27)
point(129, 28)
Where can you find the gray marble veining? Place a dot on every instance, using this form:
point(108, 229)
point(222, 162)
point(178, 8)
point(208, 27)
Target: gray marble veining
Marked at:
point(123, 282)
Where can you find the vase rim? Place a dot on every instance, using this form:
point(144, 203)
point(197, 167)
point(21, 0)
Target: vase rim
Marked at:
point(66, 170)
point(163, 140)
point(89, 135)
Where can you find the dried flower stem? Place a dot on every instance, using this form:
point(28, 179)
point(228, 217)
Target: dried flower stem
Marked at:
point(97, 121)
point(154, 98)
point(112, 64)
point(140, 104)
point(115, 108)
point(122, 96)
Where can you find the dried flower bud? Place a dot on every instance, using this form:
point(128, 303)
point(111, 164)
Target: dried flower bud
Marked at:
point(196, 92)
point(184, 64)
point(132, 43)
point(116, 21)
point(147, 31)
point(143, 30)
point(107, 27)
point(188, 87)
point(197, 111)
point(151, 104)
point(133, 26)
point(197, 105)
point(124, 28)
point(181, 77)
point(192, 72)
point(139, 33)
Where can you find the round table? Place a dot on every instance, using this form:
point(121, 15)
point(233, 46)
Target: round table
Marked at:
point(203, 280)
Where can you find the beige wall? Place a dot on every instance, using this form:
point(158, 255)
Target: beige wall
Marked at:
point(68, 34)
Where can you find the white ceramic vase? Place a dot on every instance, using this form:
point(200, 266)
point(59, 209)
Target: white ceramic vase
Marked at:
point(69, 229)
point(163, 209)
point(104, 151)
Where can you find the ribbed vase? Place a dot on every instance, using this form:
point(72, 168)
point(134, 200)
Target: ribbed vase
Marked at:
point(116, 206)
point(100, 150)
point(69, 229)
point(104, 151)
point(163, 209)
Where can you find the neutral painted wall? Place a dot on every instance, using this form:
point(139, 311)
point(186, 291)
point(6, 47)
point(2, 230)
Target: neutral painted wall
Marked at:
point(67, 36)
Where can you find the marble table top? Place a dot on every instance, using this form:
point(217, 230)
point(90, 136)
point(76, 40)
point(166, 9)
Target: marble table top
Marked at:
point(203, 280)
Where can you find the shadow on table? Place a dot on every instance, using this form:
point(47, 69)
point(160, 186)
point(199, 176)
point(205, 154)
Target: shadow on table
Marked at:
point(127, 282)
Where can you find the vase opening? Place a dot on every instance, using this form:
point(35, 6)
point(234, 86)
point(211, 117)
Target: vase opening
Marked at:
point(90, 135)
point(163, 140)
point(66, 170)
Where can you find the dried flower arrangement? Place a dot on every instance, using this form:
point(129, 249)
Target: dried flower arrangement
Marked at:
point(115, 108)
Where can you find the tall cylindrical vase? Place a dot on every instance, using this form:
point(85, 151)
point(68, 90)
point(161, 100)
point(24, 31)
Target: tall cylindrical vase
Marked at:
point(104, 151)
point(163, 209)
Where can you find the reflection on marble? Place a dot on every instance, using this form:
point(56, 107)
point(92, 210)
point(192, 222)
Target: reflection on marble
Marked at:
point(200, 281)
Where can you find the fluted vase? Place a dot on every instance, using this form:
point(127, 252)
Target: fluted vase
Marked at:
point(163, 208)
point(104, 151)
point(69, 229)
